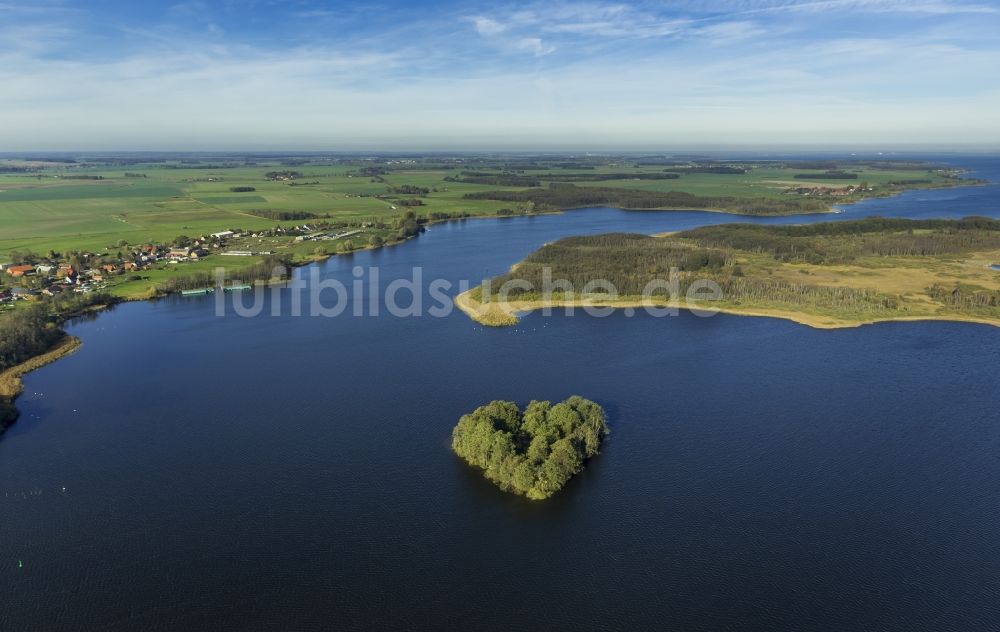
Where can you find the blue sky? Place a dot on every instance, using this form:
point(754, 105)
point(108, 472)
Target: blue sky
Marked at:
point(234, 74)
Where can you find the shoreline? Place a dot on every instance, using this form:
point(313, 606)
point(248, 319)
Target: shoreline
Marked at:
point(11, 384)
point(496, 316)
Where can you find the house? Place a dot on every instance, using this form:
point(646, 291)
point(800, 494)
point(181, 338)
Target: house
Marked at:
point(20, 271)
point(109, 268)
point(44, 268)
point(5, 296)
point(130, 265)
point(198, 253)
point(4, 265)
point(226, 234)
point(179, 252)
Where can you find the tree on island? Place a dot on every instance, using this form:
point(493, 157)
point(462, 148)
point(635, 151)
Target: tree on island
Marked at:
point(533, 453)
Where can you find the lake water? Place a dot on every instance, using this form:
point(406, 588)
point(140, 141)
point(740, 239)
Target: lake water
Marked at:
point(187, 471)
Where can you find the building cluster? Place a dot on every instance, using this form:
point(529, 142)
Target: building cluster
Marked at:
point(50, 278)
point(85, 272)
point(830, 191)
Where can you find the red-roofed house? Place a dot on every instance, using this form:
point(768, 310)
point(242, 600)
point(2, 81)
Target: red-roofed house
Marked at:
point(20, 271)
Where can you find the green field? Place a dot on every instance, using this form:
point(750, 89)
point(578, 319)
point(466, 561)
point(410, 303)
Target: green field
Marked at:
point(43, 210)
point(45, 213)
point(93, 205)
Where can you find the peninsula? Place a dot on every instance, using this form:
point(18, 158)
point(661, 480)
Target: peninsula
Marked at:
point(825, 275)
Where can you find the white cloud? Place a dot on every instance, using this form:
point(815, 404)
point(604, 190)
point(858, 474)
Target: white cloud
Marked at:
point(623, 74)
point(534, 45)
point(488, 26)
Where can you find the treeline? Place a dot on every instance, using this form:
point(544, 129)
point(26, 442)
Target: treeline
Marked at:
point(269, 268)
point(25, 333)
point(285, 215)
point(409, 189)
point(882, 165)
point(193, 164)
point(599, 177)
point(534, 453)
point(709, 169)
point(629, 263)
point(497, 180)
point(34, 330)
point(965, 298)
point(563, 196)
point(438, 216)
point(30, 331)
point(282, 175)
point(828, 175)
point(242, 189)
point(515, 180)
point(840, 242)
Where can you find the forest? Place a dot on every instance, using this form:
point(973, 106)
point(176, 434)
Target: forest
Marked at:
point(566, 196)
point(842, 242)
point(898, 267)
point(29, 331)
point(600, 177)
point(534, 452)
point(495, 179)
point(720, 170)
point(270, 267)
point(34, 330)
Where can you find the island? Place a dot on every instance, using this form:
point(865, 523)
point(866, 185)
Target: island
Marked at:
point(826, 275)
point(533, 453)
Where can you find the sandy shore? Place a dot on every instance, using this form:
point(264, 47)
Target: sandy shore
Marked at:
point(496, 316)
point(10, 380)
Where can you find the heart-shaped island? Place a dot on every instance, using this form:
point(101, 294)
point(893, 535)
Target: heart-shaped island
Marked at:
point(533, 453)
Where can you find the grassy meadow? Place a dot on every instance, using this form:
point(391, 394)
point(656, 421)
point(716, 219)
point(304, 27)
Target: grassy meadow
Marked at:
point(96, 204)
point(46, 211)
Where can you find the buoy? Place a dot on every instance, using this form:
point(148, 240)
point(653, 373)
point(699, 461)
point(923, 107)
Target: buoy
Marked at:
point(20, 564)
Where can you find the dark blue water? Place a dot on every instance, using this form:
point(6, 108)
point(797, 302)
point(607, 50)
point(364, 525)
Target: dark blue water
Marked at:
point(186, 471)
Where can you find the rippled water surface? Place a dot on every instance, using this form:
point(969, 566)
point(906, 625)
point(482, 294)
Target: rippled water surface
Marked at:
point(186, 471)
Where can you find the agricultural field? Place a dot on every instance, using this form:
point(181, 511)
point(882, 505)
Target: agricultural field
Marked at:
point(43, 210)
point(101, 204)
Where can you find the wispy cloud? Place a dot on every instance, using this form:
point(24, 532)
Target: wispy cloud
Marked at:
point(201, 75)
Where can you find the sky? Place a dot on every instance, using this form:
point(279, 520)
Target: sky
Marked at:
point(327, 76)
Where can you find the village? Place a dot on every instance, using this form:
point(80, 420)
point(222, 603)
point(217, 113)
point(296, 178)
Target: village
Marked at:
point(30, 277)
point(825, 191)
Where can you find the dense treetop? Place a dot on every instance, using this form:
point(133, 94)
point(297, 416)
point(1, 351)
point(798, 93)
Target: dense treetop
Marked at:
point(563, 196)
point(535, 452)
point(745, 261)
